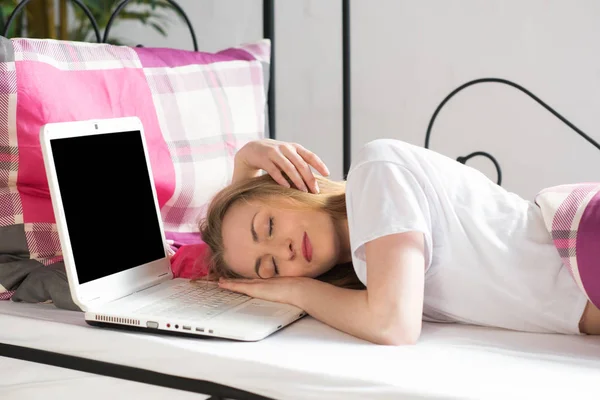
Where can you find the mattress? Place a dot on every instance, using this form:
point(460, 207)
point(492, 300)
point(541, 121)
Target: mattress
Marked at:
point(309, 360)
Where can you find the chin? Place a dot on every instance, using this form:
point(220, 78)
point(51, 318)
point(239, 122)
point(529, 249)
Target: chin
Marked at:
point(313, 272)
point(320, 271)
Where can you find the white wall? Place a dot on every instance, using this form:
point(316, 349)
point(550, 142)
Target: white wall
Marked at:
point(408, 55)
point(308, 56)
point(308, 36)
point(217, 24)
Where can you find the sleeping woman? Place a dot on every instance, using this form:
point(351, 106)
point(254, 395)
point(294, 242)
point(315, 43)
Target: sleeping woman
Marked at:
point(410, 236)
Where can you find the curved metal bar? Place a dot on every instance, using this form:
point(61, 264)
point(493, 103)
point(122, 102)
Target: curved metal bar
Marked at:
point(516, 86)
point(124, 3)
point(23, 3)
point(464, 159)
point(346, 86)
point(269, 33)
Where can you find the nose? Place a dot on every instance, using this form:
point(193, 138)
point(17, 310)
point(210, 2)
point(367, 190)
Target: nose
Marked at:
point(285, 250)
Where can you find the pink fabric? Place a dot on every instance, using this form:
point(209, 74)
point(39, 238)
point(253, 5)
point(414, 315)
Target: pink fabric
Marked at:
point(588, 249)
point(6, 295)
point(164, 57)
point(189, 261)
point(89, 94)
point(564, 243)
point(572, 216)
point(179, 239)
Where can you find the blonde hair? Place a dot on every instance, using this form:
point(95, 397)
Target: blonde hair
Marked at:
point(331, 199)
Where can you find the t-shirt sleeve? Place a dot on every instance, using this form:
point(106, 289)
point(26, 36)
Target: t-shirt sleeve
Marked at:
point(385, 198)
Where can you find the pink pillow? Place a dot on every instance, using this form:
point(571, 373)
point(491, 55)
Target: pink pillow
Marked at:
point(198, 109)
point(572, 216)
point(190, 261)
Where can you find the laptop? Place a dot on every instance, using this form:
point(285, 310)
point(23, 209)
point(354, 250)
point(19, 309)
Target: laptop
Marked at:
point(114, 248)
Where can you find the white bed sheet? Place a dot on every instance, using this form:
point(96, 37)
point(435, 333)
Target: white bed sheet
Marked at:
point(23, 380)
point(309, 360)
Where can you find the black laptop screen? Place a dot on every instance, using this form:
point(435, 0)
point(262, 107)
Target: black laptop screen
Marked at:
point(108, 203)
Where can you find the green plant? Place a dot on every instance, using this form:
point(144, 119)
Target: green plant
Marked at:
point(39, 18)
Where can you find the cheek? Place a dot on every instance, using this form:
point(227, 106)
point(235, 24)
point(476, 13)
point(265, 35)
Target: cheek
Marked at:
point(238, 265)
point(237, 255)
point(327, 241)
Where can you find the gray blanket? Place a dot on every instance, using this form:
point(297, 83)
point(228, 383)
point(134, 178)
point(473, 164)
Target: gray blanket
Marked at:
point(29, 279)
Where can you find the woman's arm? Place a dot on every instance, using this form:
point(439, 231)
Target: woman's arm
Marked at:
point(389, 312)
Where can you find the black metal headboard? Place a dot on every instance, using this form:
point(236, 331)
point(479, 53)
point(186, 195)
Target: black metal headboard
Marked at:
point(347, 120)
point(464, 159)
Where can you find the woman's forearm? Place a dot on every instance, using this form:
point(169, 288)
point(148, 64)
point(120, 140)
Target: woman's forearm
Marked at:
point(348, 311)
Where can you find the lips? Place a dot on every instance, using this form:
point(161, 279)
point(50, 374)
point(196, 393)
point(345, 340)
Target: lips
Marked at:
point(306, 248)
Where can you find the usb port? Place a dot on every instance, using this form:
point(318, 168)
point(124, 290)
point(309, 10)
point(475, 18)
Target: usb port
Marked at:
point(200, 329)
point(187, 328)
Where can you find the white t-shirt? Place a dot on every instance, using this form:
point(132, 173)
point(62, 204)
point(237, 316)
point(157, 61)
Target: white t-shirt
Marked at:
point(489, 259)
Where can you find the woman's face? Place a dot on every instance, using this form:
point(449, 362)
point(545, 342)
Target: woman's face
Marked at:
point(264, 241)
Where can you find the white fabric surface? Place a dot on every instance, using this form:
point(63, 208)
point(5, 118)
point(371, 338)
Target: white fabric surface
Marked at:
point(309, 360)
point(490, 258)
point(23, 380)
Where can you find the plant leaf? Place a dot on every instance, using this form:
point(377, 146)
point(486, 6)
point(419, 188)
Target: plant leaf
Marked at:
point(158, 28)
point(156, 14)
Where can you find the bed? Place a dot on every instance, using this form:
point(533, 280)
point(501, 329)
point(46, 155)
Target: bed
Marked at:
point(307, 360)
point(47, 350)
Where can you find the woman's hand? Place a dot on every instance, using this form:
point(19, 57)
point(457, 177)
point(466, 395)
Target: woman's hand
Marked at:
point(276, 157)
point(280, 289)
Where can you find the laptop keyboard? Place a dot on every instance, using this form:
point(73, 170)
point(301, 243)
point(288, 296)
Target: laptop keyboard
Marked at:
point(194, 301)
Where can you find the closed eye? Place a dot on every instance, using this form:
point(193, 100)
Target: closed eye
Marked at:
point(270, 226)
point(275, 267)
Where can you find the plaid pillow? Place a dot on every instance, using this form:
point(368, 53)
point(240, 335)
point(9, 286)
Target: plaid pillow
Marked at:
point(197, 108)
point(571, 214)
